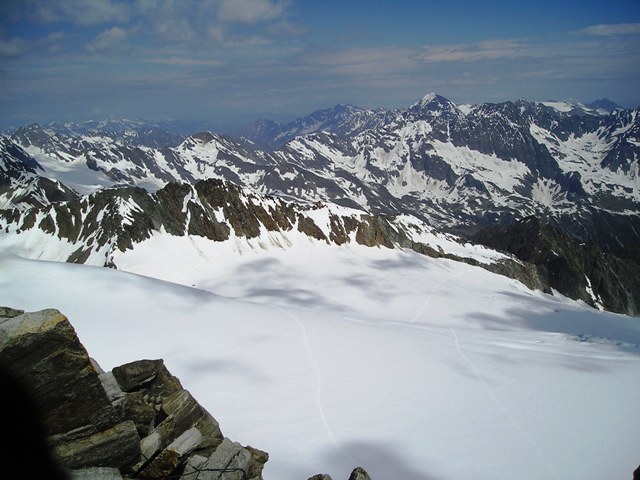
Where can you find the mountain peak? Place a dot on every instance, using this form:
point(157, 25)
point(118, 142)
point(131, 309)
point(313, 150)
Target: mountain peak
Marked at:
point(604, 104)
point(432, 101)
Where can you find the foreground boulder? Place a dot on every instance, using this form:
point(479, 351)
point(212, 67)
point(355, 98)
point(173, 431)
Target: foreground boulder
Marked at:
point(358, 473)
point(136, 421)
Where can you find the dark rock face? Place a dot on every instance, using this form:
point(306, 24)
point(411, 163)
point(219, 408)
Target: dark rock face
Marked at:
point(578, 270)
point(213, 209)
point(136, 420)
point(81, 423)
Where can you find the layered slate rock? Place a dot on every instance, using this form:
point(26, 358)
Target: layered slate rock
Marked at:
point(82, 425)
point(137, 420)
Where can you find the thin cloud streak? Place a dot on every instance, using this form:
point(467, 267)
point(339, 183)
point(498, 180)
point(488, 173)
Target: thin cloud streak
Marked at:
point(615, 29)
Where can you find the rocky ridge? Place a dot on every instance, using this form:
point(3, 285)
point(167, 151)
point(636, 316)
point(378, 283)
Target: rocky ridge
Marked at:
point(135, 421)
point(94, 229)
point(457, 169)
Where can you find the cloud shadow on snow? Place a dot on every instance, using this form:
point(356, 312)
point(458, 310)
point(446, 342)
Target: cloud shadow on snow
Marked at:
point(212, 367)
point(622, 332)
point(380, 460)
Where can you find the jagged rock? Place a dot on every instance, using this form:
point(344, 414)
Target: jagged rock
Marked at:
point(186, 411)
point(111, 388)
point(320, 476)
point(307, 226)
point(193, 466)
point(6, 312)
point(96, 473)
point(258, 460)
point(150, 375)
point(167, 461)
point(359, 473)
point(177, 414)
point(82, 425)
point(145, 383)
point(43, 347)
point(636, 473)
point(230, 461)
point(576, 269)
point(99, 434)
point(118, 446)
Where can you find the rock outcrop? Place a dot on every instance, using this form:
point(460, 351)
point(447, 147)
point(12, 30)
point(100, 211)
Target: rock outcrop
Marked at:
point(579, 270)
point(358, 473)
point(136, 421)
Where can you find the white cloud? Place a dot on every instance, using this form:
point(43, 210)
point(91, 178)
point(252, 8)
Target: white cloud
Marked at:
point(80, 12)
point(488, 50)
point(185, 62)
point(251, 11)
point(612, 29)
point(364, 61)
point(112, 40)
point(16, 47)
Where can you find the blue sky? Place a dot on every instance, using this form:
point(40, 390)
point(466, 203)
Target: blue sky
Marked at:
point(234, 60)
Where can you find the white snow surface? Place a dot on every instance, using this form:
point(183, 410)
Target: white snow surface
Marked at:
point(332, 357)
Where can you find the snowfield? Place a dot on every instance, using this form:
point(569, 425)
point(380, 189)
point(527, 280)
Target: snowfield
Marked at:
point(332, 357)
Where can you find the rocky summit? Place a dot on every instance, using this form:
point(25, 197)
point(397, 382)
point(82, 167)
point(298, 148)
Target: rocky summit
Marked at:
point(136, 421)
point(70, 419)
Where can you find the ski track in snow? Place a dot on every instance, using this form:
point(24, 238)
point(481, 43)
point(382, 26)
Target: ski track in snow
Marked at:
point(318, 372)
point(435, 288)
point(502, 408)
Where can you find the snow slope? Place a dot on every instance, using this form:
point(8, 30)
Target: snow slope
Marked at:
point(328, 358)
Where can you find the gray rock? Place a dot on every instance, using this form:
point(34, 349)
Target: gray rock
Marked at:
point(181, 413)
point(167, 461)
point(320, 476)
point(150, 375)
point(258, 460)
point(118, 446)
point(7, 312)
point(141, 409)
point(96, 473)
point(147, 383)
point(94, 419)
point(43, 348)
point(230, 461)
point(193, 466)
point(359, 473)
point(111, 387)
point(187, 412)
point(82, 425)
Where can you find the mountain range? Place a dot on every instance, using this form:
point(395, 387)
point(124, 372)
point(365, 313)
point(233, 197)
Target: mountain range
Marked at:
point(412, 178)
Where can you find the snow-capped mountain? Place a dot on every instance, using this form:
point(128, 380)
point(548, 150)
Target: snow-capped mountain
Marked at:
point(326, 274)
point(457, 168)
point(22, 183)
point(341, 120)
point(127, 132)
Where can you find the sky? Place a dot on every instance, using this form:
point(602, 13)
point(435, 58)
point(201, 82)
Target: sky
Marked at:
point(231, 61)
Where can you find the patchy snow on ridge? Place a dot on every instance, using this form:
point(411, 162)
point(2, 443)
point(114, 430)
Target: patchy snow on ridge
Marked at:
point(584, 155)
point(564, 107)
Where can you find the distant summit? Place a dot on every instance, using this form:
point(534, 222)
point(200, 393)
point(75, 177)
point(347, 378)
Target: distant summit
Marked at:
point(604, 104)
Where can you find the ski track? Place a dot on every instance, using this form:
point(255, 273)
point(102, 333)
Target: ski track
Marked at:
point(447, 279)
point(502, 408)
point(316, 367)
